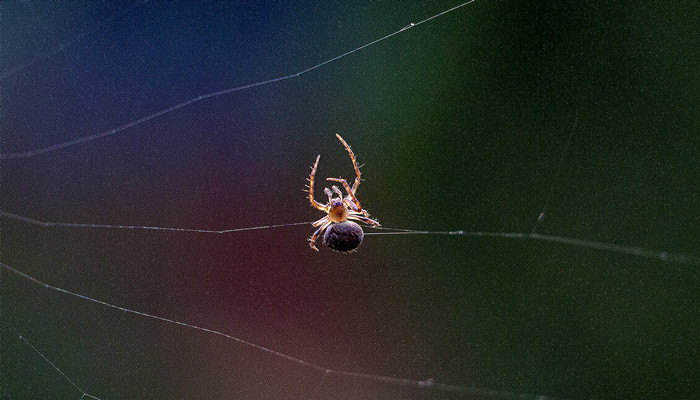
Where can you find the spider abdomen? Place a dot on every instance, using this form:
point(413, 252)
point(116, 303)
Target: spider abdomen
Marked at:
point(344, 236)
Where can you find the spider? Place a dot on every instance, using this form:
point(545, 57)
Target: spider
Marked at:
point(341, 234)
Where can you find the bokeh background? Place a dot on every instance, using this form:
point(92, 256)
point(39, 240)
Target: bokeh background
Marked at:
point(460, 122)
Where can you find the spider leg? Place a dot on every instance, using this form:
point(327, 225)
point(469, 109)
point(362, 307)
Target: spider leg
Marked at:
point(351, 204)
point(312, 239)
point(329, 194)
point(354, 164)
point(315, 203)
point(337, 191)
point(361, 217)
point(320, 221)
point(350, 193)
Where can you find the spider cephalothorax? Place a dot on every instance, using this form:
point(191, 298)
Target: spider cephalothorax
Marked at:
point(342, 234)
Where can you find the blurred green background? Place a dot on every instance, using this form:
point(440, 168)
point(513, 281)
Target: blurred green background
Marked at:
point(460, 122)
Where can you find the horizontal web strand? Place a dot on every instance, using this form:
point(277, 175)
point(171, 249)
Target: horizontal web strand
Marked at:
point(591, 244)
point(32, 221)
point(428, 383)
point(62, 145)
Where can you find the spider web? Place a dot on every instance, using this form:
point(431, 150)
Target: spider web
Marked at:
point(178, 267)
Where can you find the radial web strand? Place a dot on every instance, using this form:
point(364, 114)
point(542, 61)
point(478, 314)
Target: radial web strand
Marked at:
point(324, 371)
point(110, 132)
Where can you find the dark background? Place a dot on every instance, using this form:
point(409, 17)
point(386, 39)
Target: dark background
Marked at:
point(461, 123)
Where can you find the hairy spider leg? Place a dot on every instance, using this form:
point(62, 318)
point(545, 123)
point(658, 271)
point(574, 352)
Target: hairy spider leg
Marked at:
point(320, 221)
point(315, 203)
point(362, 218)
point(324, 225)
point(329, 194)
point(354, 164)
point(337, 191)
point(356, 206)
